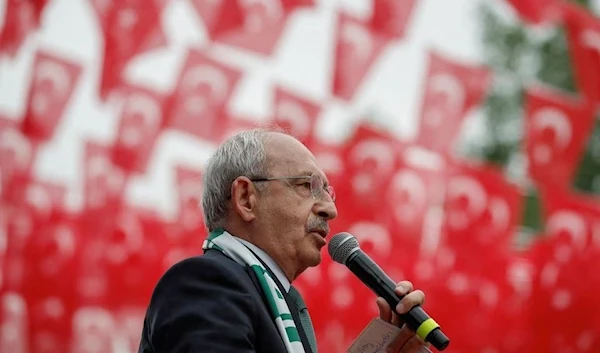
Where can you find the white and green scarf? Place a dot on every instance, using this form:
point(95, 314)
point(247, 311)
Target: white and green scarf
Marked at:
point(224, 242)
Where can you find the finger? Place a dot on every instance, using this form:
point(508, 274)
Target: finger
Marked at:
point(385, 312)
point(414, 345)
point(403, 336)
point(396, 320)
point(412, 299)
point(403, 288)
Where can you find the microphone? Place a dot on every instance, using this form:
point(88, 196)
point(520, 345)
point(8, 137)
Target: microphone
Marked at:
point(344, 248)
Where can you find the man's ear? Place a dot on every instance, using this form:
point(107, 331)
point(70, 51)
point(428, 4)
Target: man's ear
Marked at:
point(244, 198)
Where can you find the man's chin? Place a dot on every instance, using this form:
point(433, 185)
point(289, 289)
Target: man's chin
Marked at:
point(317, 258)
point(312, 261)
point(311, 255)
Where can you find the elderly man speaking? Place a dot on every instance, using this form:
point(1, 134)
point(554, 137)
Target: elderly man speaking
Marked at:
point(267, 206)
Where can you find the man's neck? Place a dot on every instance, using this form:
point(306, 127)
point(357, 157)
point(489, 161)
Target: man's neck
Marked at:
point(269, 261)
point(254, 237)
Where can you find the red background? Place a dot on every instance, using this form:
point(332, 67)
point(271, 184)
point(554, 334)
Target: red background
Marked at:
point(77, 279)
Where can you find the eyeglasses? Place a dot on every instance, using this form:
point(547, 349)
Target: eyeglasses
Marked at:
point(314, 183)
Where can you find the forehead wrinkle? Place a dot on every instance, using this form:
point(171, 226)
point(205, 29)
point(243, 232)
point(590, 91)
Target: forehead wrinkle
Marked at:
point(290, 157)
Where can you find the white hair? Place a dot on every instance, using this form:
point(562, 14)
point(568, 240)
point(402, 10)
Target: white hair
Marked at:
point(240, 155)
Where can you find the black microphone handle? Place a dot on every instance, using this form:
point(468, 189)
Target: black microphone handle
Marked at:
point(379, 282)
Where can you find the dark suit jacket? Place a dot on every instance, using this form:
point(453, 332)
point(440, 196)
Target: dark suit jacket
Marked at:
point(210, 303)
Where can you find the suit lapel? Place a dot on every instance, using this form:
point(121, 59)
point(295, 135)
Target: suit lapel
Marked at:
point(291, 306)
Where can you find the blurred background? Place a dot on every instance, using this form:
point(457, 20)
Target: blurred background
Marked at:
point(461, 137)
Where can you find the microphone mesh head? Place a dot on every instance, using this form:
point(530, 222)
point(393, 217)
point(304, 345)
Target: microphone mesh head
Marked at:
point(341, 246)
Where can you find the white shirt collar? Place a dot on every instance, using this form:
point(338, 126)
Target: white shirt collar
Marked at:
point(285, 282)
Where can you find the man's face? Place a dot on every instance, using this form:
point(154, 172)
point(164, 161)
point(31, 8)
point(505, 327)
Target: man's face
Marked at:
point(291, 216)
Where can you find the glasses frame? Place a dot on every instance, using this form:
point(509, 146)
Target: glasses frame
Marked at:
point(315, 190)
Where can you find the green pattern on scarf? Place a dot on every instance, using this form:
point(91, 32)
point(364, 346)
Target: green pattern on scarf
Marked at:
point(224, 242)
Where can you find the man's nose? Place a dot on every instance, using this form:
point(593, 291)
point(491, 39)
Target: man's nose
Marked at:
point(325, 208)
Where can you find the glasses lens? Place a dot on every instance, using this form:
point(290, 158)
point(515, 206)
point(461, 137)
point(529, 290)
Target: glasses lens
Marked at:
point(331, 192)
point(317, 186)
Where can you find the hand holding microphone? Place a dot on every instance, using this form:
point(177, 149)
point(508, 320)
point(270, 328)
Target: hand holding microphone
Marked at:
point(406, 340)
point(343, 248)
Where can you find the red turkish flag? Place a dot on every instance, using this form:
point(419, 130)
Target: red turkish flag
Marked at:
point(21, 18)
point(356, 50)
point(451, 90)
point(92, 281)
point(182, 243)
point(128, 25)
point(52, 252)
point(189, 186)
point(39, 199)
point(537, 11)
point(556, 131)
point(296, 114)
point(481, 208)
point(573, 219)
point(104, 182)
point(48, 282)
point(186, 232)
point(39, 6)
point(140, 125)
point(383, 243)
point(583, 37)
point(263, 24)
point(49, 325)
point(220, 16)
point(155, 39)
point(17, 153)
point(30, 207)
point(53, 82)
point(371, 157)
point(391, 17)
point(93, 323)
point(130, 322)
point(14, 314)
point(291, 5)
point(333, 305)
point(413, 189)
point(330, 159)
point(134, 244)
point(198, 103)
point(564, 314)
point(123, 239)
point(496, 283)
